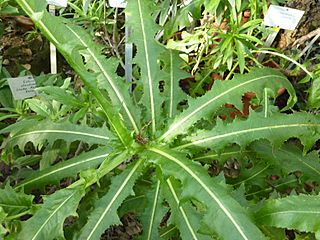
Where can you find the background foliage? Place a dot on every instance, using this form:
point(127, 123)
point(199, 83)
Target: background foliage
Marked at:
point(197, 146)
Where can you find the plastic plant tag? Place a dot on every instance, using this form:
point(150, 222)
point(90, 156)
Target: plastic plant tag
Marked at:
point(53, 50)
point(22, 87)
point(269, 42)
point(58, 3)
point(118, 3)
point(283, 17)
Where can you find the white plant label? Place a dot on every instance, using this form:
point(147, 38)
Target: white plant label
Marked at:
point(118, 3)
point(22, 87)
point(58, 3)
point(53, 50)
point(283, 17)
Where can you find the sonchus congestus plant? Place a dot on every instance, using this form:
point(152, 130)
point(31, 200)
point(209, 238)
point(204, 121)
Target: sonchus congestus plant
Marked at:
point(153, 134)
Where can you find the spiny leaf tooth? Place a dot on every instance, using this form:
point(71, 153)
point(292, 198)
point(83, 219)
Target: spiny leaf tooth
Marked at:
point(277, 128)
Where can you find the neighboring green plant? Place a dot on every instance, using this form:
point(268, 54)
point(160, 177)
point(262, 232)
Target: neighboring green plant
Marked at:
point(222, 44)
point(92, 12)
point(54, 103)
point(183, 14)
point(146, 145)
point(219, 47)
point(8, 7)
point(105, 24)
point(61, 102)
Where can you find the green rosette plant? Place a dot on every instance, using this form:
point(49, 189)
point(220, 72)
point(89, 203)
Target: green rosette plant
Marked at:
point(154, 135)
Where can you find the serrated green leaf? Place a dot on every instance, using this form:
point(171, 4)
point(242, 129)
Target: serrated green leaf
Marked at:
point(47, 223)
point(223, 156)
point(203, 77)
point(19, 126)
point(291, 159)
point(67, 168)
point(183, 215)
point(139, 201)
point(273, 233)
point(26, 160)
point(72, 41)
point(153, 214)
point(294, 212)
point(109, 80)
point(14, 203)
point(148, 52)
point(52, 152)
point(252, 176)
point(220, 205)
point(105, 209)
point(170, 232)
point(279, 185)
point(229, 92)
point(50, 131)
point(276, 128)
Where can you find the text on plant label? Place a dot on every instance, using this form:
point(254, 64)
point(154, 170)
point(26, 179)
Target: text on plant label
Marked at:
point(283, 17)
point(22, 87)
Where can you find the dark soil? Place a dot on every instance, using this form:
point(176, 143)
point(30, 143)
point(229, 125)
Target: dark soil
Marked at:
point(131, 228)
point(24, 48)
point(18, 53)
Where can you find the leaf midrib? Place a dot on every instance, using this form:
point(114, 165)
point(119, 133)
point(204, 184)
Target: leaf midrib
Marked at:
point(288, 212)
point(61, 169)
point(271, 188)
point(154, 208)
point(301, 160)
point(171, 86)
point(60, 131)
point(221, 155)
point(148, 69)
point(200, 141)
point(176, 125)
point(252, 176)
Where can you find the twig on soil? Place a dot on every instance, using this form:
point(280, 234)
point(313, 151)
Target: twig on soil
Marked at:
point(306, 37)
